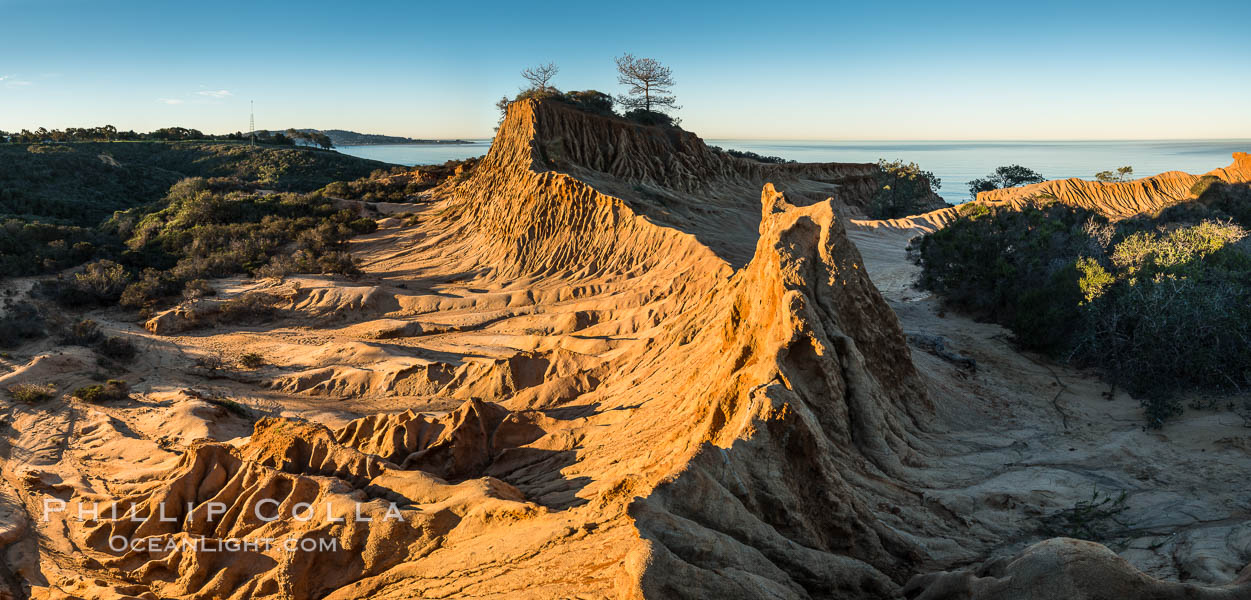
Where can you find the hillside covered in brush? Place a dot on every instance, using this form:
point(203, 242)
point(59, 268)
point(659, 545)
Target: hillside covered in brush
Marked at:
point(56, 197)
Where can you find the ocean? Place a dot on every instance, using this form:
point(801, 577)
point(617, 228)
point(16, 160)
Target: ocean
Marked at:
point(955, 163)
point(418, 154)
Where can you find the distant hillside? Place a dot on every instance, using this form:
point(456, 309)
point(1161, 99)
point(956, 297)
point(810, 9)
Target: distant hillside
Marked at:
point(341, 137)
point(83, 182)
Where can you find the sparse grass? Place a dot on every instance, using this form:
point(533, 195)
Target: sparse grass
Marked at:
point(252, 360)
point(31, 393)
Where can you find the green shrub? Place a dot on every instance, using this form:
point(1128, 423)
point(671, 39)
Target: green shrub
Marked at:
point(651, 117)
point(87, 333)
point(112, 390)
point(100, 282)
point(902, 190)
point(338, 263)
point(363, 225)
point(1232, 200)
point(31, 393)
point(65, 207)
point(231, 406)
point(118, 349)
point(399, 184)
point(592, 101)
point(48, 148)
point(203, 234)
point(1201, 186)
point(22, 321)
point(278, 266)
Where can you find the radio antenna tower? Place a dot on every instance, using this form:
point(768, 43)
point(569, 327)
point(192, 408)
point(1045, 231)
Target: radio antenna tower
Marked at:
point(252, 120)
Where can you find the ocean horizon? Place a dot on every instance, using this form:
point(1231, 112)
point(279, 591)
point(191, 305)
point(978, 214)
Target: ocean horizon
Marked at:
point(954, 162)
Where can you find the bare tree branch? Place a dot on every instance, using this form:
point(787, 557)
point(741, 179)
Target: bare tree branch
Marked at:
point(649, 83)
point(540, 77)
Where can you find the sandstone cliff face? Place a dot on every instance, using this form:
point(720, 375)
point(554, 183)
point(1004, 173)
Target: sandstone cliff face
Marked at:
point(789, 368)
point(579, 173)
point(814, 398)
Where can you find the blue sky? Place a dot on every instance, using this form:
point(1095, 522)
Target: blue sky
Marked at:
point(820, 70)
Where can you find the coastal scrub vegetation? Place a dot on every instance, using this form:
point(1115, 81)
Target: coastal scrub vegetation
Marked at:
point(1004, 177)
point(109, 133)
point(21, 321)
point(1160, 304)
point(204, 229)
point(398, 184)
point(902, 189)
point(54, 206)
point(310, 138)
point(202, 233)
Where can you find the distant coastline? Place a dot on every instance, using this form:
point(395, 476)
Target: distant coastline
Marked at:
point(958, 162)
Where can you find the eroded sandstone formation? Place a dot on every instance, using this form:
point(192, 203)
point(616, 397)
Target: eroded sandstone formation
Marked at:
point(1121, 199)
point(606, 362)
